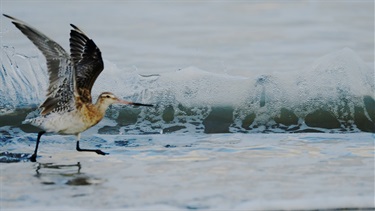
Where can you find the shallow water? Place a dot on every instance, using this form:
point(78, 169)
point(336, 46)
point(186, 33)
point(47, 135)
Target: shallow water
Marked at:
point(180, 172)
point(241, 90)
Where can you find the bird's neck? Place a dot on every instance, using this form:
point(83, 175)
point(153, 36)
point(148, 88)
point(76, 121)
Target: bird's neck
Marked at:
point(101, 106)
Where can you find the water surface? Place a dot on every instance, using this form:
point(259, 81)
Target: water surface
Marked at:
point(259, 106)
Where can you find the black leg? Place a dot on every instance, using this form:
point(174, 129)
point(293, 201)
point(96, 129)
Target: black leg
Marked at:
point(98, 151)
point(33, 157)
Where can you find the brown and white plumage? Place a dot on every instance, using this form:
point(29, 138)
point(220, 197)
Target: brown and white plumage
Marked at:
point(68, 108)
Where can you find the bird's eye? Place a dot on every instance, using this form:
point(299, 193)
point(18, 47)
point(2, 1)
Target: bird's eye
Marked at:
point(108, 96)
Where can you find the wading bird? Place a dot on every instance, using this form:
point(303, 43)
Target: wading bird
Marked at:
point(68, 108)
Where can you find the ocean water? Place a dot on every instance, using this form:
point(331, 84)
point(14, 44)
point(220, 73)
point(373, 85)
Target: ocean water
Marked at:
point(258, 106)
point(307, 171)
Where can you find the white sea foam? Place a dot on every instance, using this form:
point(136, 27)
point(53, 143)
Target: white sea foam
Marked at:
point(337, 83)
point(331, 78)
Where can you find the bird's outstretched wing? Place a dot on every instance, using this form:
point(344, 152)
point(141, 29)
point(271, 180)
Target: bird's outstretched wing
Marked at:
point(87, 61)
point(60, 92)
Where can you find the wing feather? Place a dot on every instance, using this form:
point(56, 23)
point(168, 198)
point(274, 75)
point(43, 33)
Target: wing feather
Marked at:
point(87, 61)
point(60, 92)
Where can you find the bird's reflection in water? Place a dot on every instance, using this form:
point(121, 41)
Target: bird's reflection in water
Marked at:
point(63, 174)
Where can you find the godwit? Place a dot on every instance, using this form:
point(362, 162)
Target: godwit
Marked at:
point(68, 109)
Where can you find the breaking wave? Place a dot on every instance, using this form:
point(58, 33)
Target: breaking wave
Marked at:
point(335, 94)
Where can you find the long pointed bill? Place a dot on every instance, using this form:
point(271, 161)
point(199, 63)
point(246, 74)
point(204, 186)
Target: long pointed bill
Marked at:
point(134, 104)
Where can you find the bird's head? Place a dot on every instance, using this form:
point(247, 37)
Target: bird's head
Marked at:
point(107, 98)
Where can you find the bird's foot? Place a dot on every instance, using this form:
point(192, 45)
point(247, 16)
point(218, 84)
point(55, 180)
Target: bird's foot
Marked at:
point(33, 158)
point(100, 152)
